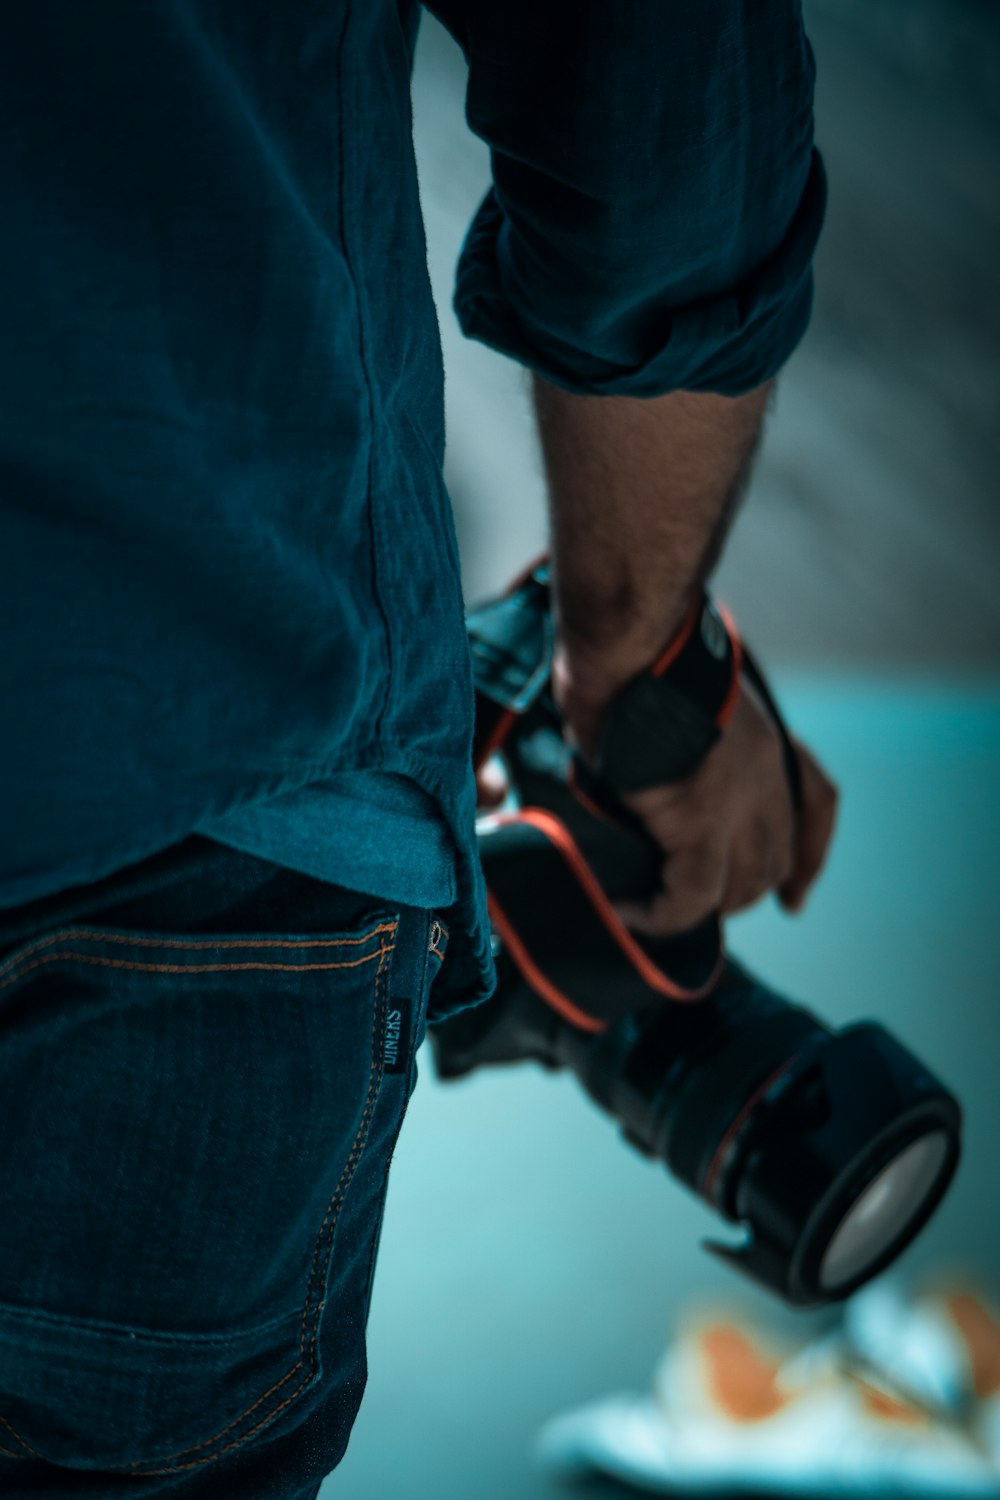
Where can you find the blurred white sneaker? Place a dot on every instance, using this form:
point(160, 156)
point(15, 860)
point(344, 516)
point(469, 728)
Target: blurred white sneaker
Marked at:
point(727, 1416)
point(940, 1351)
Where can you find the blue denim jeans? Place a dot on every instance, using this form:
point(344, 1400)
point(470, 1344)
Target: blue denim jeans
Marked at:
point(204, 1064)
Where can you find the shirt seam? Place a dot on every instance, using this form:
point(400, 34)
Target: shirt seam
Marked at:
point(373, 527)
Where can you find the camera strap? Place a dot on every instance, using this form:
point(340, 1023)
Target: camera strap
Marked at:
point(556, 922)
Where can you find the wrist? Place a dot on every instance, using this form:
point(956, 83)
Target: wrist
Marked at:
point(613, 628)
point(596, 658)
point(586, 679)
point(655, 722)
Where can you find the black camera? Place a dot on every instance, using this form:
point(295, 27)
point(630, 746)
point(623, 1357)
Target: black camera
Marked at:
point(831, 1148)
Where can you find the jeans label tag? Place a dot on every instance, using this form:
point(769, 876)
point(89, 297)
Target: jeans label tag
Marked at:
point(397, 1030)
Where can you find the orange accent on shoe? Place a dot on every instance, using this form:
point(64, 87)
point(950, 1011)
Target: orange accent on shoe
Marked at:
point(743, 1382)
point(980, 1332)
point(888, 1409)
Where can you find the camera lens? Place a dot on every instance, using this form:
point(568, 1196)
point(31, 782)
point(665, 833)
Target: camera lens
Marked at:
point(829, 1149)
point(884, 1211)
point(839, 1164)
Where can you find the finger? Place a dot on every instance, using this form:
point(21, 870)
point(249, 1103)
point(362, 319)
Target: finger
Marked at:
point(761, 861)
point(764, 850)
point(694, 881)
point(816, 822)
point(746, 885)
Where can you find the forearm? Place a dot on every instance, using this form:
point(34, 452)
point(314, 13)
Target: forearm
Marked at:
point(641, 494)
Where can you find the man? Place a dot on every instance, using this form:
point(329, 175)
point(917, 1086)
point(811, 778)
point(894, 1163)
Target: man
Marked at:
point(238, 859)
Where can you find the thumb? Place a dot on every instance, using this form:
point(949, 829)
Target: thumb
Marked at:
point(694, 881)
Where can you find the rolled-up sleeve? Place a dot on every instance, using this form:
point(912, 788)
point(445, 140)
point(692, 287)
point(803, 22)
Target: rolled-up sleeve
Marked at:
point(656, 195)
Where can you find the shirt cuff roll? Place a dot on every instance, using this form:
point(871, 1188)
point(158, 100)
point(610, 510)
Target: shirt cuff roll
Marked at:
point(728, 343)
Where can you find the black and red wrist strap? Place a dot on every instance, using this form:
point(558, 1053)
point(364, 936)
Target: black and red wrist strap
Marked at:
point(663, 722)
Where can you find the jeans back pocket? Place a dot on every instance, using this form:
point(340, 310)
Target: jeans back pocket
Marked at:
point(182, 1119)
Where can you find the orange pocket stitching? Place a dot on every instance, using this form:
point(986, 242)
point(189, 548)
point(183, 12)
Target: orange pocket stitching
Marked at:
point(18, 1439)
point(68, 933)
point(207, 1443)
point(337, 1201)
point(237, 1442)
point(124, 963)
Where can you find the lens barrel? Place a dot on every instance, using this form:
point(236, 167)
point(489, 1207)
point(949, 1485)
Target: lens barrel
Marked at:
point(831, 1149)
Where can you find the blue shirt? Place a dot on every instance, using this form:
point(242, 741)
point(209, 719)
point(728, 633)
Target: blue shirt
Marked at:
point(229, 585)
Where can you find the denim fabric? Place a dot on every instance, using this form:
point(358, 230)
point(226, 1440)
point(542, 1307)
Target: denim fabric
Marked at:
point(204, 1063)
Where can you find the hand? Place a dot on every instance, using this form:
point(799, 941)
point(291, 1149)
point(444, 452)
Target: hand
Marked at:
point(729, 832)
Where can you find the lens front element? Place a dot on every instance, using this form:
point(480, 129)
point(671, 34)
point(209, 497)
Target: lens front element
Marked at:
point(884, 1211)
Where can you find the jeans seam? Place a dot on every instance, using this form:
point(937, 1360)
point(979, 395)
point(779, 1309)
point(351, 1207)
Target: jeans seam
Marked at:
point(428, 950)
point(336, 1203)
point(15, 964)
point(328, 1227)
point(126, 1333)
point(18, 1439)
point(70, 956)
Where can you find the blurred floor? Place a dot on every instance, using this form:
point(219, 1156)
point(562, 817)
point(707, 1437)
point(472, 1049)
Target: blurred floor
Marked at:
point(530, 1261)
